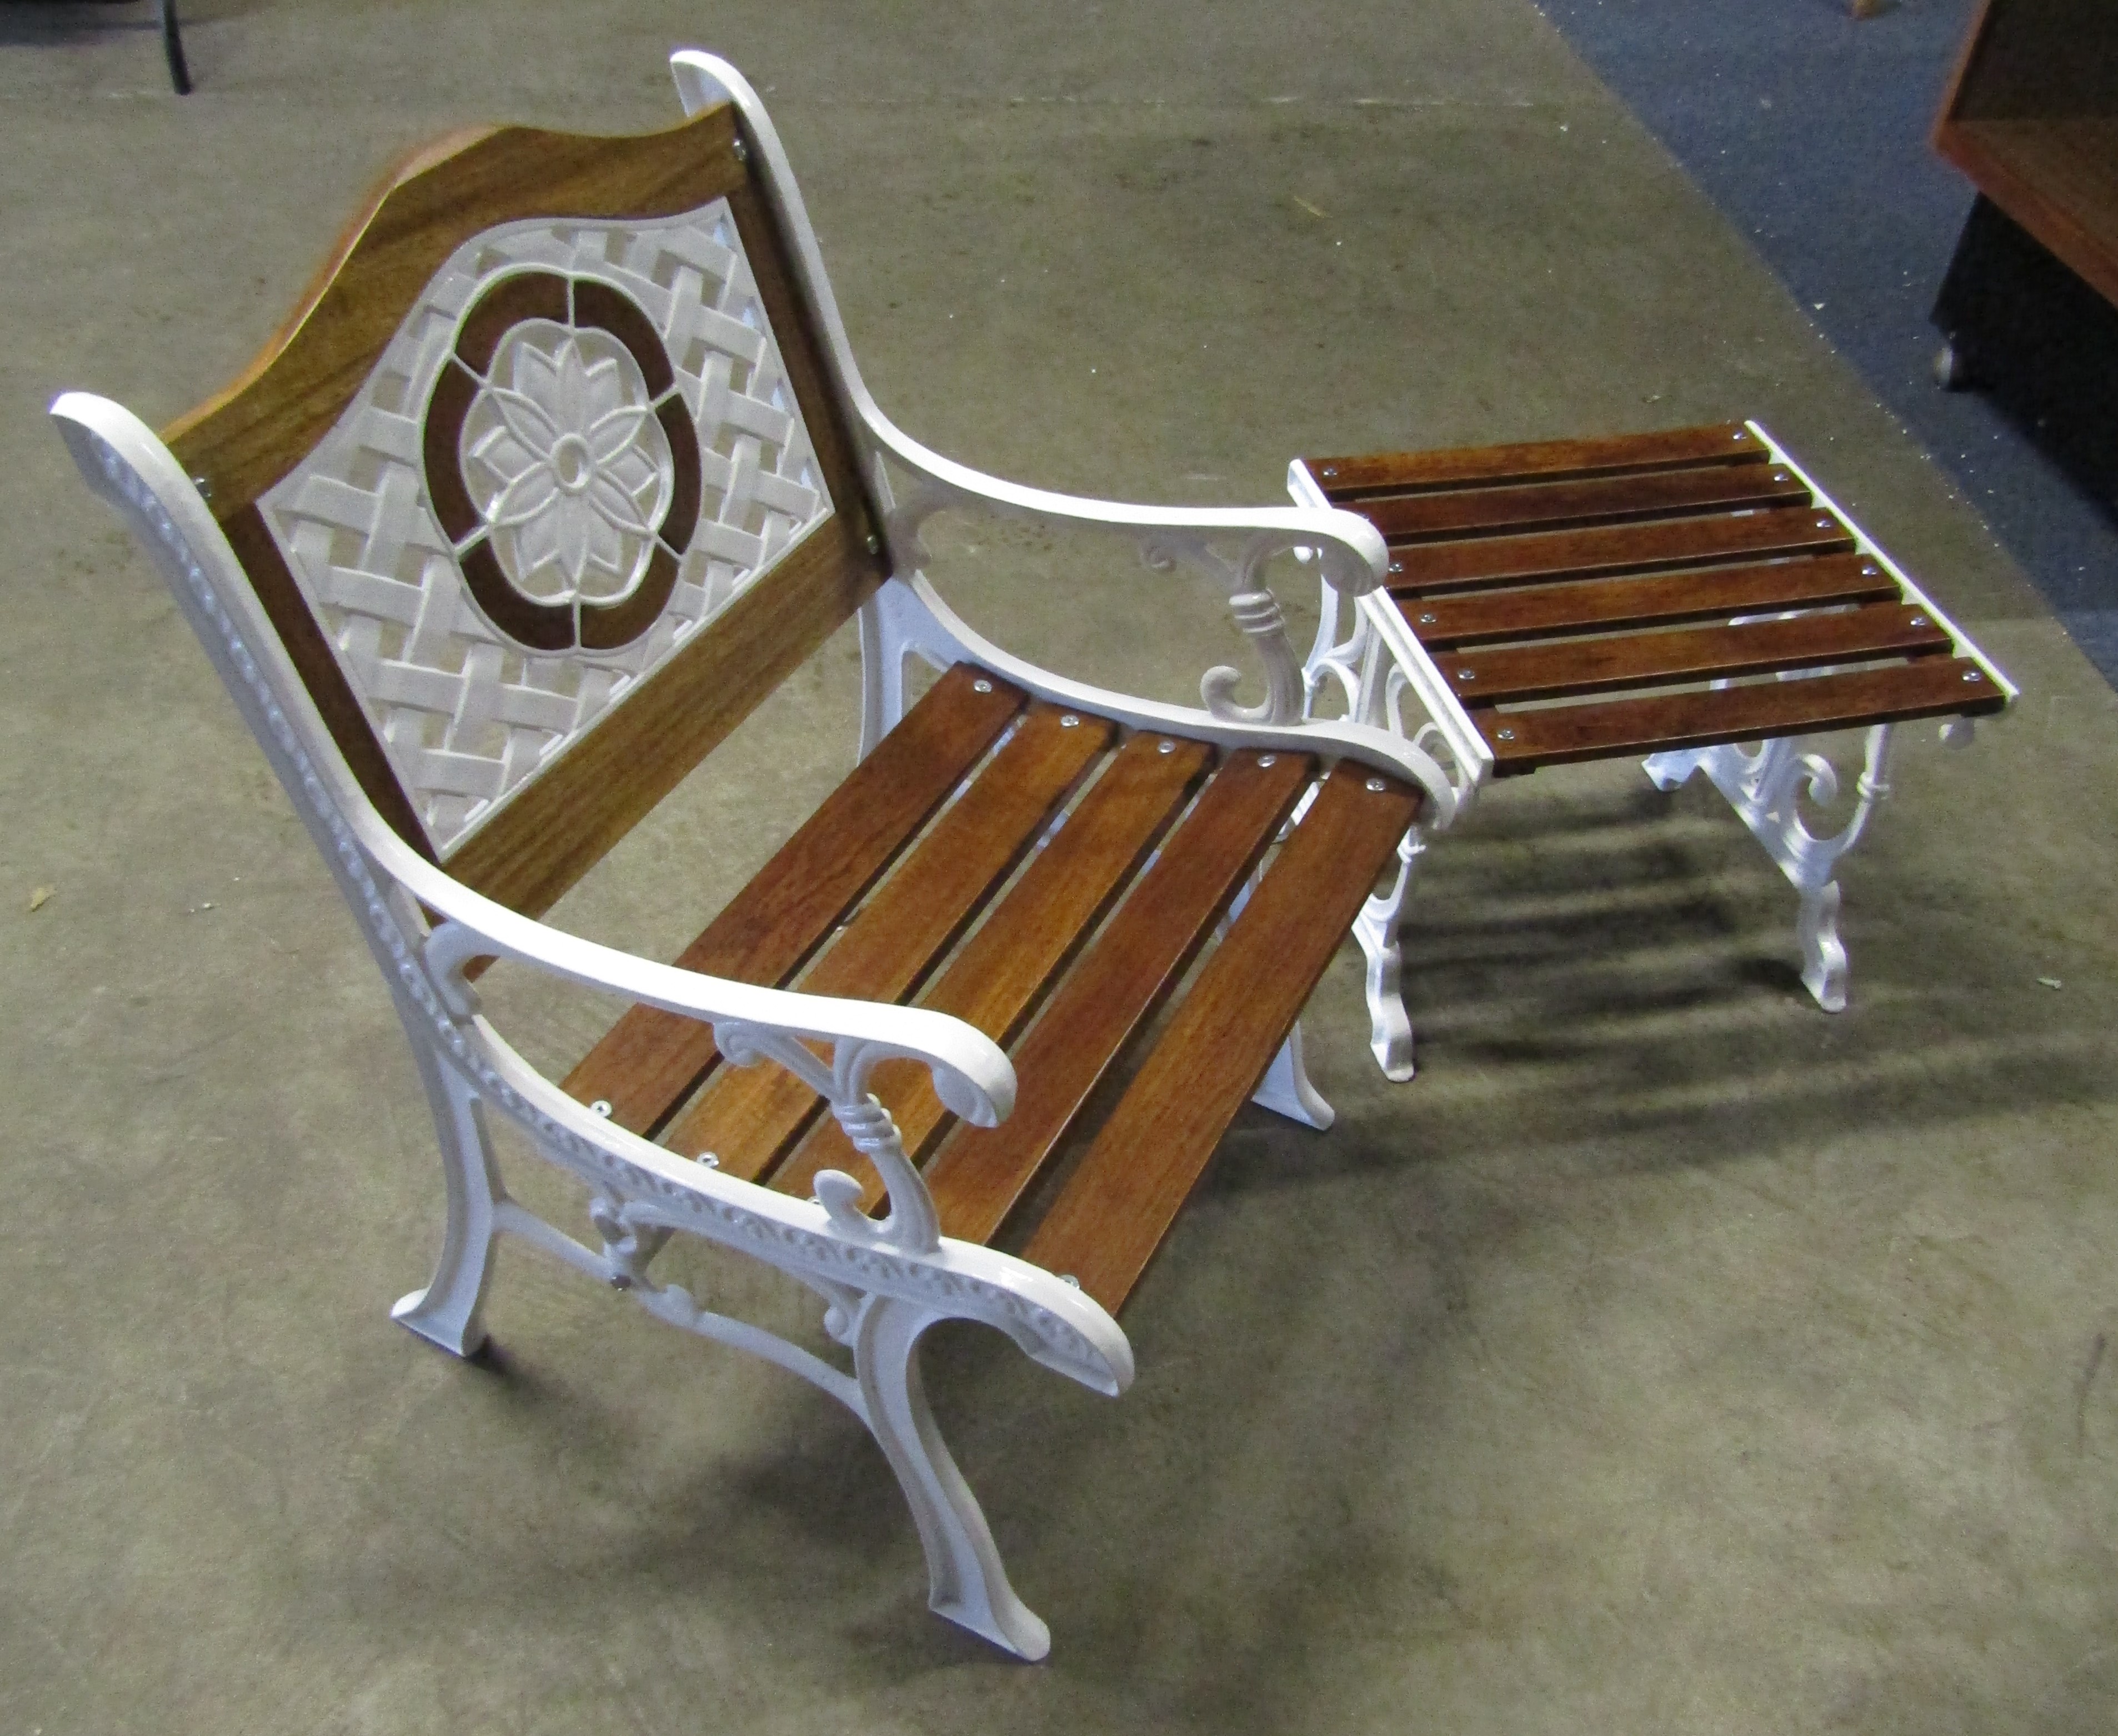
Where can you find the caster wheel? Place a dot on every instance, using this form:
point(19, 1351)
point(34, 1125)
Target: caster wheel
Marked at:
point(1952, 369)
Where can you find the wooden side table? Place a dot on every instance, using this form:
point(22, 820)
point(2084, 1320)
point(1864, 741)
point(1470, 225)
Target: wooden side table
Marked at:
point(1690, 596)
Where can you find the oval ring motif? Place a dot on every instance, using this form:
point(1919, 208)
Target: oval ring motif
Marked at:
point(582, 450)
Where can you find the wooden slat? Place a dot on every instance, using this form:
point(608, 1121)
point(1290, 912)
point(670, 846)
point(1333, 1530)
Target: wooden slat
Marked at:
point(1719, 488)
point(1142, 953)
point(1935, 686)
point(1581, 555)
point(650, 1060)
point(246, 438)
point(1610, 606)
point(1574, 666)
point(1117, 1207)
point(591, 795)
point(1353, 477)
point(1000, 976)
point(747, 1117)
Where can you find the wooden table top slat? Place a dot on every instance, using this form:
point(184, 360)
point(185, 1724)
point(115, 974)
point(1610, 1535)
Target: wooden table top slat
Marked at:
point(979, 1174)
point(1609, 550)
point(1553, 506)
point(1117, 1206)
point(650, 1061)
point(1933, 686)
point(1345, 480)
point(747, 1116)
point(1498, 675)
point(1609, 605)
point(1001, 974)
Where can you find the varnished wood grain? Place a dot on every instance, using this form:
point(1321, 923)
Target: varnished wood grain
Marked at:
point(1935, 686)
point(559, 828)
point(1346, 479)
point(1600, 605)
point(650, 1060)
point(248, 437)
point(1500, 673)
point(1138, 958)
point(1455, 512)
point(1612, 549)
point(2056, 175)
point(1000, 976)
point(1118, 1204)
point(748, 1117)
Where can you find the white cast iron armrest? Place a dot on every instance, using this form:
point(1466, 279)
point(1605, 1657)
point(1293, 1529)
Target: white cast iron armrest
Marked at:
point(1350, 552)
point(971, 1075)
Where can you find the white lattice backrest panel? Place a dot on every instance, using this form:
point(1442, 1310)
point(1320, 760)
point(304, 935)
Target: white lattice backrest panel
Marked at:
point(579, 446)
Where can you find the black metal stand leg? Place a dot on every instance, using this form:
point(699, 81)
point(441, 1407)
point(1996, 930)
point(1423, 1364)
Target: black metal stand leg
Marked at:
point(173, 48)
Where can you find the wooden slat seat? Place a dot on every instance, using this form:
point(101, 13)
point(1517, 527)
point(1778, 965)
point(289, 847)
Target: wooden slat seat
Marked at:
point(1577, 596)
point(1066, 964)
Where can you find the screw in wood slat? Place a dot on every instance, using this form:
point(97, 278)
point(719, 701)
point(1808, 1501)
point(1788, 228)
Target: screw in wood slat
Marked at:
point(982, 686)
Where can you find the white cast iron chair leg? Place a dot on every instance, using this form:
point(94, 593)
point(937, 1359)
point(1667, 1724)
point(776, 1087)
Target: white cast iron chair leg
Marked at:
point(1824, 968)
point(1286, 1089)
point(1377, 929)
point(965, 1580)
point(450, 1311)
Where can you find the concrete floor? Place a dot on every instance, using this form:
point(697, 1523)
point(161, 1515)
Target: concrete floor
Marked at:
point(1670, 1356)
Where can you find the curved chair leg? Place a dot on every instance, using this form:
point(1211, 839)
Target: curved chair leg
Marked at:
point(173, 48)
point(449, 1312)
point(1286, 1090)
point(1377, 929)
point(1823, 966)
point(965, 1580)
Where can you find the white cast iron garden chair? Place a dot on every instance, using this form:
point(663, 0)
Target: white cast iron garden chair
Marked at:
point(562, 467)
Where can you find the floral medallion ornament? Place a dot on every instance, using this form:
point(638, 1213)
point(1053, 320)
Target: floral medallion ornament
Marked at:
point(561, 463)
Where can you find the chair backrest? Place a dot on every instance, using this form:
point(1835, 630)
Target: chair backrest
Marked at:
point(510, 480)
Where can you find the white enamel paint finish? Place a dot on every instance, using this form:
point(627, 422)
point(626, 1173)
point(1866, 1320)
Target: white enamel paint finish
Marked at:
point(571, 474)
point(469, 720)
point(1768, 784)
point(1231, 547)
point(1380, 660)
point(883, 1283)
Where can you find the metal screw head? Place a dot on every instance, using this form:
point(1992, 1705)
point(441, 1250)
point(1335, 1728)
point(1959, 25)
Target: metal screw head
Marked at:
point(1070, 1280)
point(707, 1160)
point(1428, 619)
point(1397, 566)
point(1165, 747)
point(621, 1281)
point(1823, 524)
point(601, 1106)
point(1972, 675)
point(1869, 569)
point(204, 484)
point(1507, 735)
point(874, 544)
point(1742, 433)
point(1268, 759)
point(982, 686)
point(1377, 785)
point(1466, 675)
point(1919, 621)
point(1070, 722)
point(1782, 476)
point(1330, 470)
point(742, 152)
